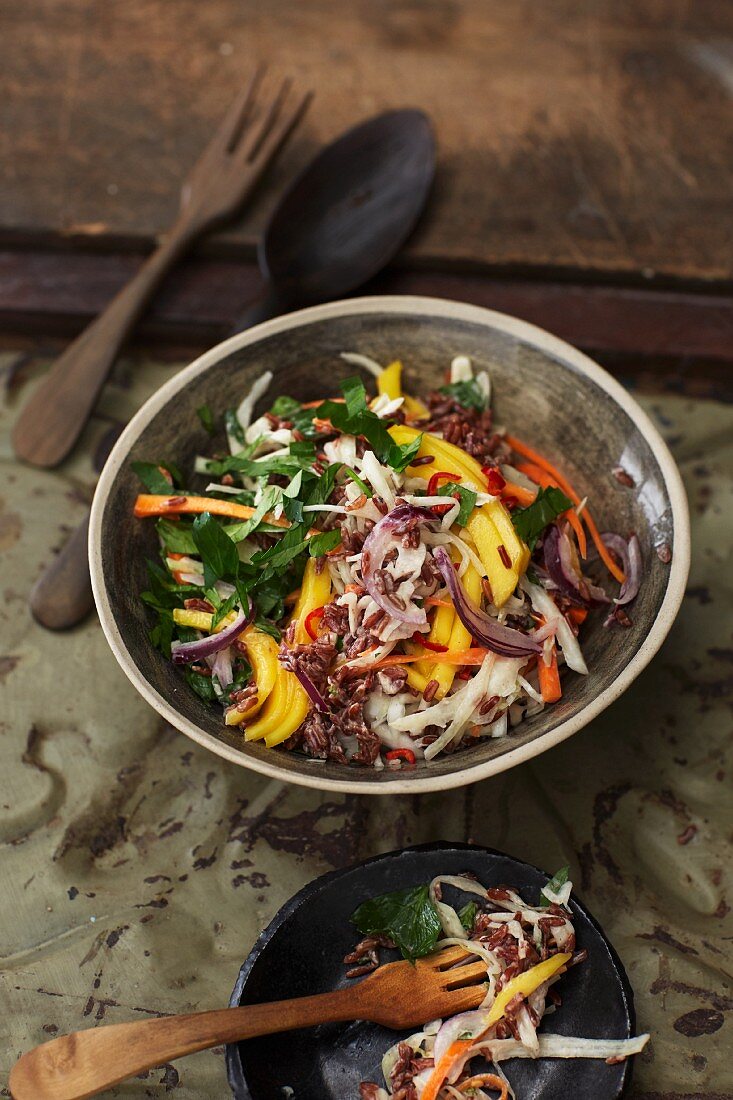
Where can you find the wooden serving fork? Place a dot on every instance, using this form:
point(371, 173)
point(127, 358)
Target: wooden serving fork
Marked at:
point(397, 995)
point(245, 143)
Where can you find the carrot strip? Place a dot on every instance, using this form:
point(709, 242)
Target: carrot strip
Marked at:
point(151, 505)
point(544, 479)
point(538, 460)
point(549, 679)
point(443, 1068)
point(459, 657)
point(512, 491)
point(577, 615)
point(433, 601)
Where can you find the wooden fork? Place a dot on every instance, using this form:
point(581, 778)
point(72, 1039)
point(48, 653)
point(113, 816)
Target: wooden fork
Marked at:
point(398, 995)
point(247, 140)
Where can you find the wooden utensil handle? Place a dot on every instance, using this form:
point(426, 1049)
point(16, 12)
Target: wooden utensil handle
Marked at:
point(62, 595)
point(83, 1063)
point(53, 418)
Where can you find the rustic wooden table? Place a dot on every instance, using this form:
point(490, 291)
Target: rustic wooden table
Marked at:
point(585, 152)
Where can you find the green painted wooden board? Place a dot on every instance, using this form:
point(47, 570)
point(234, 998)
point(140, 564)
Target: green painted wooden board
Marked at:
point(137, 870)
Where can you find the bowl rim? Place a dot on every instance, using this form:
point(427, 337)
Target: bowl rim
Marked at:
point(421, 307)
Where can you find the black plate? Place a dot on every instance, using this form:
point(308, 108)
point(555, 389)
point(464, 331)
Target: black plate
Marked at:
point(301, 952)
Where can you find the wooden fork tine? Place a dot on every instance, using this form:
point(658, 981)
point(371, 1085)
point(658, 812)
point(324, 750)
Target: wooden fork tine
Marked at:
point(463, 1000)
point(280, 133)
point(252, 141)
point(230, 128)
point(449, 956)
point(460, 975)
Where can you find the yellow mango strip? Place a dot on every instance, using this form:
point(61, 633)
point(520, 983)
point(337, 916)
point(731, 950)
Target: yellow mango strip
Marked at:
point(315, 591)
point(488, 541)
point(460, 638)
point(439, 634)
point(523, 984)
point(389, 382)
point(288, 704)
point(415, 679)
point(495, 528)
point(201, 620)
point(415, 408)
point(262, 653)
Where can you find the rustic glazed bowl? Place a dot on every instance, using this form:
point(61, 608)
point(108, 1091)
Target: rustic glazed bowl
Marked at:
point(546, 391)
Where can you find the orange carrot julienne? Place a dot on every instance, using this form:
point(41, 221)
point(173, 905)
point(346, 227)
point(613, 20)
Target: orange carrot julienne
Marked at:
point(433, 601)
point(549, 678)
point(512, 491)
point(577, 615)
point(148, 504)
point(533, 456)
point(544, 479)
point(443, 1068)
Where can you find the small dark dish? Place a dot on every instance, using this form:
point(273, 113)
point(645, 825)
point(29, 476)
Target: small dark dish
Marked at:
point(301, 952)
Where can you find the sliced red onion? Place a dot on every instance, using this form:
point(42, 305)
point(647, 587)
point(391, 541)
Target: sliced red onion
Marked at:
point(188, 652)
point(631, 563)
point(471, 1023)
point(221, 666)
point(499, 639)
point(560, 566)
point(310, 689)
point(378, 542)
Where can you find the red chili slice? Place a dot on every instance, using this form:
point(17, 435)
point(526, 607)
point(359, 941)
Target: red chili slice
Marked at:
point(310, 619)
point(402, 754)
point(435, 646)
point(435, 480)
point(440, 509)
point(495, 481)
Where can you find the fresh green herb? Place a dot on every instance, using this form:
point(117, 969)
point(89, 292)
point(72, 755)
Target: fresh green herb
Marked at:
point(468, 394)
point(233, 428)
point(267, 627)
point(301, 419)
point(176, 537)
point(216, 549)
point(323, 488)
point(238, 532)
point(202, 685)
point(152, 477)
point(323, 542)
point(224, 608)
point(358, 481)
point(356, 418)
point(530, 522)
point(467, 915)
point(467, 499)
point(206, 417)
point(532, 576)
point(281, 553)
point(555, 884)
point(161, 634)
point(241, 463)
point(407, 916)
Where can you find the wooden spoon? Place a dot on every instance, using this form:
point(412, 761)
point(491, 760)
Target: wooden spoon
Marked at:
point(347, 215)
point(398, 995)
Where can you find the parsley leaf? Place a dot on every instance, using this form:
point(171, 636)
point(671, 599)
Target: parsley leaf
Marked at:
point(216, 549)
point(467, 499)
point(301, 419)
point(206, 417)
point(530, 522)
point(467, 915)
point(407, 916)
point(152, 476)
point(240, 531)
point(354, 417)
point(233, 427)
point(176, 537)
point(555, 884)
point(320, 544)
point(468, 394)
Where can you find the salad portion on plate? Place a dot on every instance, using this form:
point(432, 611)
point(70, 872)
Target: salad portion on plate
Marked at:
point(377, 580)
point(527, 948)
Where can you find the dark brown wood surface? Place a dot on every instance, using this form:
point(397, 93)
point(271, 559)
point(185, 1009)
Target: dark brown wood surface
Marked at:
point(594, 137)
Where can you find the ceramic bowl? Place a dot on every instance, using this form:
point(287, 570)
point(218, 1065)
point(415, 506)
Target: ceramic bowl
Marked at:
point(293, 958)
point(546, 391)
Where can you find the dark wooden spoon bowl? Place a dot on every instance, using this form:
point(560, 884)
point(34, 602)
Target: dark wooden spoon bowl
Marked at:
point(347, 215)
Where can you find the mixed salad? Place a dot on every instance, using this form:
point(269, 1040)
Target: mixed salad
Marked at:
point(526, 949)
point(377, 580)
